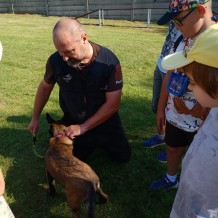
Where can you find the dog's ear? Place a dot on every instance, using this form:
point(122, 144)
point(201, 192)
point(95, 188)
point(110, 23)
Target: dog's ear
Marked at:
point(49, 119)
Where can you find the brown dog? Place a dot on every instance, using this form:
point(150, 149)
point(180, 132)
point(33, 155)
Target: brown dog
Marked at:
point(80, 181)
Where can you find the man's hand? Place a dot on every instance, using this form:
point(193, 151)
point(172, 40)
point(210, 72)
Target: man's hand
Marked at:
point(73, 131)
point(33, 126)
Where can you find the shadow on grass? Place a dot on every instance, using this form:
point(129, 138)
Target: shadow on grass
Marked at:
point(126, 184)
point(26, 180)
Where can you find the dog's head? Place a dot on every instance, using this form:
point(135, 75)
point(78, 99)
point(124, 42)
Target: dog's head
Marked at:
point(57, 130)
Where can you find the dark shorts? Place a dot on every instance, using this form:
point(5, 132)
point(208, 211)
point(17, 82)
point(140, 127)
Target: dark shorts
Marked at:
point(175, 137)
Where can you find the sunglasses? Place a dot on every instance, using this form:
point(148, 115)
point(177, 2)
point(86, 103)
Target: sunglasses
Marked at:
point(179, 21)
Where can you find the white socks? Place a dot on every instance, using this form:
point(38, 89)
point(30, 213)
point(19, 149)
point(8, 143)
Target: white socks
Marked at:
point(171, 178)
point(161, 136)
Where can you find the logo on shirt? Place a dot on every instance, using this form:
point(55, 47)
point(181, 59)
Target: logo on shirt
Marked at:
point(119, 82)
point(67, 78)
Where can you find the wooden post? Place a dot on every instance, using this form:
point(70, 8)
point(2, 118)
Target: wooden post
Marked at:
point(87, 8)
point(132, 10)
point(148, 18)
point(12, 6)
point(46, 8)
point(101, 17)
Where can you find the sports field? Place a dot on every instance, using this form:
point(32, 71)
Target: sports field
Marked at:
point(27, 42)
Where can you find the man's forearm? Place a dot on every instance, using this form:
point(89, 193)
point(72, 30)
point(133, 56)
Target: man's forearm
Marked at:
point(103, 114)
point(41, 99)
point(110, 107)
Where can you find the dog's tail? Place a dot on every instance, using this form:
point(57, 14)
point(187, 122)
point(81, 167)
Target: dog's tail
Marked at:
point(91, 200)
point(102, 197)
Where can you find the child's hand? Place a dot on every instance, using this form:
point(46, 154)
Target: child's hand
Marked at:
point(160, 121)
point(2, 183)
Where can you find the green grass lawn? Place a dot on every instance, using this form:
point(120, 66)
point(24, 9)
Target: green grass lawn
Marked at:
point(27, 44)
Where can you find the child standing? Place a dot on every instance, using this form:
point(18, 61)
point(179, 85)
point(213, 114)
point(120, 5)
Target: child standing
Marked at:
point(173, 38)
point(2, 183)
point(197, 195)
point(183, 114)
point(5, 211)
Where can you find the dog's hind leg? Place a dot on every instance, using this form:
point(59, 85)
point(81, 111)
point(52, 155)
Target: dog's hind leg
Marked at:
point(50, 180)
point(74, 200)
point(90, 200)
point(79, 191)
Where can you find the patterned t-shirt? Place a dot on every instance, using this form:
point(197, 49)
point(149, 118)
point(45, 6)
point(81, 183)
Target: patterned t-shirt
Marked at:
point(169, 44)
point(185, 112)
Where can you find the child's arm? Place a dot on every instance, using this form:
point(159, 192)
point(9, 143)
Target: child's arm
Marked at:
point(160, 118)
point(2, 183)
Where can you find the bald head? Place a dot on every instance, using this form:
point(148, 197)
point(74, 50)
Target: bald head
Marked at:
point(67, 26)
point(71, 41)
